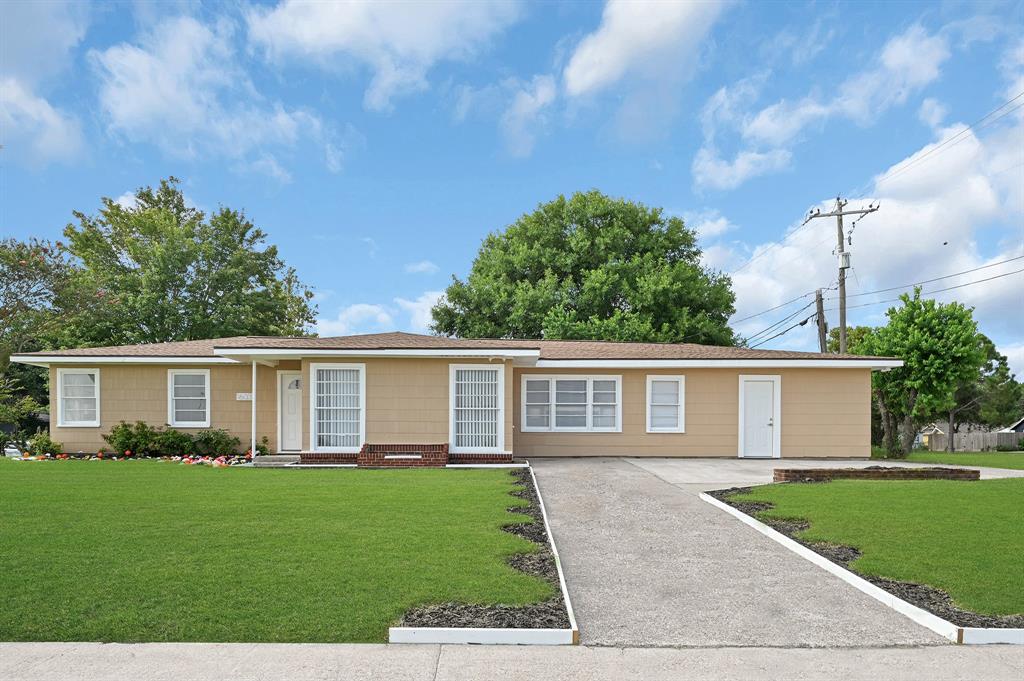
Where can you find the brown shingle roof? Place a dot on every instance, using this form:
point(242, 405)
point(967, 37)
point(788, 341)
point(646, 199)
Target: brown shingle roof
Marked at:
point(549, 349)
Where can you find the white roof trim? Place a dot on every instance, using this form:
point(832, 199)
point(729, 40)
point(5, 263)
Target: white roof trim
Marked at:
point(47, 360)
point(387, 352)
point(719, 363)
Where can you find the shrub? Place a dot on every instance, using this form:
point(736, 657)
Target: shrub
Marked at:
point(41, 443)
point(263, 446)
point(139, 438)
point(216, 443)
point(1020, 444)
point(172, 442)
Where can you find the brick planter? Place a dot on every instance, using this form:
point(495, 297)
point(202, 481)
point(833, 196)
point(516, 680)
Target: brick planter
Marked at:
point(404, 456)
point(873, 473)
point(480, 458)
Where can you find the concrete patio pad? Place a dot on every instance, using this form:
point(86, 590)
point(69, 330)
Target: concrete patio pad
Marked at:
point(650, 564)
point(718, 473)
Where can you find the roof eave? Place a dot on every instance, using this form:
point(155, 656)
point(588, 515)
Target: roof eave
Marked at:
point(726, 363)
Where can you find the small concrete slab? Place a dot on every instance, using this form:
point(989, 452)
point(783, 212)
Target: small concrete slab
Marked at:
point(275, 460)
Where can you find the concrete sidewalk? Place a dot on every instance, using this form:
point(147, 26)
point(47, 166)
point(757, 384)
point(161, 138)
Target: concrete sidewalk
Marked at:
point(302, 662)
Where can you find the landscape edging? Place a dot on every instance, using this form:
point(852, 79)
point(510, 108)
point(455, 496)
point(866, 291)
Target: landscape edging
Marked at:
point(500, 635)
point(945, 628)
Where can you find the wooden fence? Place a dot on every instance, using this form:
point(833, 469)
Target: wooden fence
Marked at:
point(975, 441)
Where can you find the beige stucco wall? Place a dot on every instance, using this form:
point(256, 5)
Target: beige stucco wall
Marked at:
point(825, 413)
point(407, 399)
point(132, 392)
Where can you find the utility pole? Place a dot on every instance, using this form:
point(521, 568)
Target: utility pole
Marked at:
point(844, 258)
point(822, 324)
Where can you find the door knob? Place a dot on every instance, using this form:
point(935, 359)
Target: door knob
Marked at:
point(771, 423)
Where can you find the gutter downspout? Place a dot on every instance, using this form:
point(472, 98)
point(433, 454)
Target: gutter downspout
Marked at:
point(252, 445)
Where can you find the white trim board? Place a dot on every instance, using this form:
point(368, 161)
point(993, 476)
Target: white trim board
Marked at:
point(500, 353)
point(46, 360)
point(450, 635)
point(719, 363)
point(967, 635)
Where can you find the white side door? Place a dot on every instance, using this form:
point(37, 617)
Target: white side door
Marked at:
point(289, 411)
point(759, 416)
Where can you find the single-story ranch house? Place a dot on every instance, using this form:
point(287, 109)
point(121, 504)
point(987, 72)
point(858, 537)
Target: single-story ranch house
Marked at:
point(406, 396)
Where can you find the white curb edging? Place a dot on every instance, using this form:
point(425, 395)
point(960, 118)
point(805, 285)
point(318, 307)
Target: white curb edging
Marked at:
point(501, 636)
point(945, 628)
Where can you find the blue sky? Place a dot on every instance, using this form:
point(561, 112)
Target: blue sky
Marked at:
point(378, 143)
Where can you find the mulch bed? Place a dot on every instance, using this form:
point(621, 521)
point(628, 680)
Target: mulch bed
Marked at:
point(551, 614)
point(928, 598)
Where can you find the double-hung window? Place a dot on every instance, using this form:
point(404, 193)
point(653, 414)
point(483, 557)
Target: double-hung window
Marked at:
point(337, 407)
point(78, 397)
point(666, 404)
point(188, 398)
point(572, 403)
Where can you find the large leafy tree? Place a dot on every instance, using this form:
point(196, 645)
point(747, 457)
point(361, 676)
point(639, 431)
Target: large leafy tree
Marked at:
point(940, 348)
point(991, 397)
point(165, 272)
point(590, 267)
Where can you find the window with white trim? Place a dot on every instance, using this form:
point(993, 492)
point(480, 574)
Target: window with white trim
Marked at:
point(666, 397)
point(188, 398)
point(78, 397)
point(573, 403)
point(478, 421)
point(337, 410)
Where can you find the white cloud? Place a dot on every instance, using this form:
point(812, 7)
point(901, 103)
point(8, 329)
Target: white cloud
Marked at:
point(399, 42)
point(641, 39)
point(419, 310)
point(371, 245)
point(34, 129)
point(709, 224)
point(643, 51)
point(932, 113)
point(421, 267)
point(357, 318)
point(1014, 357)
point(376, 317)
point(710, 170)
point(938, 216)
point(37, 39)
point(181, 88)
point(908, 62)
point(526, 113)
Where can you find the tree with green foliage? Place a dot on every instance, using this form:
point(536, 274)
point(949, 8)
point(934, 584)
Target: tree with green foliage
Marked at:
point(854, 335)
point(590, 267)
point(939, 346)
point(165, 272)
point(989, 398)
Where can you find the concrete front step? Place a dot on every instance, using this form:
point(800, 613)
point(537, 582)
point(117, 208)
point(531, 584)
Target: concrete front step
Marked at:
point(275, 460)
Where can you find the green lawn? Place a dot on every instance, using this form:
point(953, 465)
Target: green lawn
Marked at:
point(966, 538)
point(151, 551)
point(1014, 460)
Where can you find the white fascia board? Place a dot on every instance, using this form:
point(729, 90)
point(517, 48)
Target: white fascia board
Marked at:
point(502, 353)
point(718, 363)
point(47, 360)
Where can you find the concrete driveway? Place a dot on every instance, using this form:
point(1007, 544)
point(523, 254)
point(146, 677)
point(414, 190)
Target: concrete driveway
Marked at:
point(650, 564)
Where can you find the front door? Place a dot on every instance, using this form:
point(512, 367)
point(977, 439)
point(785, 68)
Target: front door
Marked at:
point(290, 411)
point(759, 415)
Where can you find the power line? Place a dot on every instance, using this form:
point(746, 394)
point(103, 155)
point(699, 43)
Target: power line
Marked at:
point(929, 281)
point(779, 323)
point(783, 332)
point(946, 144)
point(939, 290)
point(771, 309)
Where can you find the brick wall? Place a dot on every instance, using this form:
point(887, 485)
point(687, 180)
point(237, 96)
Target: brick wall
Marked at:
point(825, 474)
point(403, 455)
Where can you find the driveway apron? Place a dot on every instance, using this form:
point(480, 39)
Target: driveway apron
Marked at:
point(649, 564)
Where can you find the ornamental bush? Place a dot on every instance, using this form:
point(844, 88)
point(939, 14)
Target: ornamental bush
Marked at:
point(139, 438)
point(216, 443)
point(41, 443)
